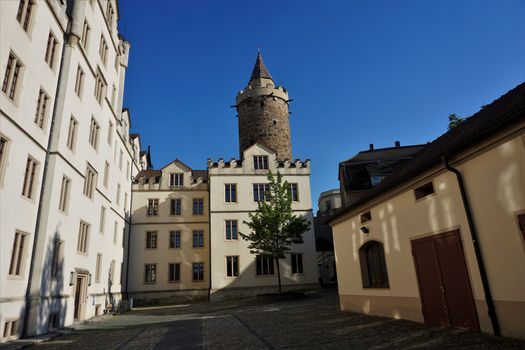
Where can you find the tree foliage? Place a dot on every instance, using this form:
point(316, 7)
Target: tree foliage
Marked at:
point(273, 226)
point(454, 120)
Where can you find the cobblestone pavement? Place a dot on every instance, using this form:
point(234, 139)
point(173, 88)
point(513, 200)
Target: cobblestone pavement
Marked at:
point(310, 323)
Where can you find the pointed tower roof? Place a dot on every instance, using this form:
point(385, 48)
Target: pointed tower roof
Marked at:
point(259, 70)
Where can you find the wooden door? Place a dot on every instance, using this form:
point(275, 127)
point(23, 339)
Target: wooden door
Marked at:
point(78, 297)
point(444, 284)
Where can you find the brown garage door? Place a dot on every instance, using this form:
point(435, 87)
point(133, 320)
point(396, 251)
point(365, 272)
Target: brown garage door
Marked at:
point(444, 285)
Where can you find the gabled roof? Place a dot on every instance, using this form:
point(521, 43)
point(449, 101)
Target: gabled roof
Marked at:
point(263, 146)
point(501, 114)
point(149, 173)
point(259, 70)
point(178, 162)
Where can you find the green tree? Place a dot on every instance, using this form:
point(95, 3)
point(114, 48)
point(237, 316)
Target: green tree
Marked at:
point(454, 120)
point(273, 226)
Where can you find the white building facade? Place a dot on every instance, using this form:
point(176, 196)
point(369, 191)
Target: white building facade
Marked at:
point(66, 163)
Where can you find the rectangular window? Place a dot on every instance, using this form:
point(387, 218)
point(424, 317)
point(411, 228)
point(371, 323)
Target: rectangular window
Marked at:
point(83, 236)
point(120, 159)
point(93, 133)
point(41, 109)
point(109, 14)
point(110, 132)
point(85, 34)
point(174, 273)
point(232, 266)
point(23, 16)
point(176, 206)
point(29, 178)
point(128, 169)
point(198, 271)
point(12, 76)
point(153, 207)
point(17, 254)
point(64, 195)
point(115, 232)
point(125, 201)
point(58, 259)
point(294, 192)
point(260, 162)
point(423, 191)
point(150, 273)
point(231, 230)
point(297, 263)
point(174, 239)
point(198, 238)
point(264, 265)
point(98, 267)
point(72, 133)
point(117, 199)
point(111, 272)
point(90, 182)
point(3, 154)
point(151, 240)
point(100, 88)
point(106, 174)
point(103, 49)
point(113, 96)
point(366, 217)
point(230, 191)
point(177, 179)
point(51, 49)
point(11, 328)
point(102, 219)
point(198, 206)
point(79, 81)
point(259, 192)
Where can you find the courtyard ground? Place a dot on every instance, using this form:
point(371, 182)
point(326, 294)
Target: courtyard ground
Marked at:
point(314, 322)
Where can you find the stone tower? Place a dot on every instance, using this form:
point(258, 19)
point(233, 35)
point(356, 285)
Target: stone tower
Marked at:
point(263, 115)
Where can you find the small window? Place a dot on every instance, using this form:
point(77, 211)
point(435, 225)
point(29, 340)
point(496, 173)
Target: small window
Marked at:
point(18, 254)
point(98, 268)
point(264, 265)
point(72, 133)
point(198, 271)
point(176, 179)
point(57, 263)
point(366, 217)
point(12, 77)
point(174, 239)
point(232, 266)
point(29, 178)
point(25, 10)
point(198, 206)
point(117, 196)
point(260, 192)
point(103, 49)
point(100, 87)
point(83, 237)
point(51, 49)
point(150, 273)
point(64, 194)
point(110, 132)
point(79, 81)
point(174, 273)
point(106, 174)
point(151, 240)
point(376, 180)
point(115, 232)
point(297, 263)
point(373, 265)
point(230, 191)
point(102, 219)
point(176, 206)
point(423, 191)
point(294, 192)
point(328, 205)
point(11, 329)
point(231, 230)
point(260, 162)
point(90, 182)
point(42, 105)
point(198, 239)
point(93, 133)
point(3, 154)
point(153, 207)
point(85, 34)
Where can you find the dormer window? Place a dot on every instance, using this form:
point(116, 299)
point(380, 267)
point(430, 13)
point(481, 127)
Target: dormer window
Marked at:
point(176, 179)
point(260, 162)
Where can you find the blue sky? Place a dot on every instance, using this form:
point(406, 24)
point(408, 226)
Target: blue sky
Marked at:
point(359, 72)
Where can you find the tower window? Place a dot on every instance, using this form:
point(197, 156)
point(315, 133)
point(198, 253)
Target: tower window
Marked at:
point(260, 162)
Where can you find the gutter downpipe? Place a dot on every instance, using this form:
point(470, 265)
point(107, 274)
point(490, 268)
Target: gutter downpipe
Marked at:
point(479, 258)
point(126, 293)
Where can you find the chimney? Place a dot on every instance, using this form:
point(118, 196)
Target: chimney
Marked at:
point(398, 144)
point(371, 147)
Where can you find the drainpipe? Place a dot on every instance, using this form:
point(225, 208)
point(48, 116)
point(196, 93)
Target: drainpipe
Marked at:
point(126, 293)
point(43, 186)
point(479, 258)
point(209, 232)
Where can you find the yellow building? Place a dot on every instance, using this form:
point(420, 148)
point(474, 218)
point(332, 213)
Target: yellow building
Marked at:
point(442, 239)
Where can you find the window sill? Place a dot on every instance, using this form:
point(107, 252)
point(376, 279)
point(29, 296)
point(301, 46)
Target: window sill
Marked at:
point(174, 281)
point(153, 282)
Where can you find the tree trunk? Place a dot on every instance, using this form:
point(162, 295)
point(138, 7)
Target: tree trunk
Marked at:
point(278, 275)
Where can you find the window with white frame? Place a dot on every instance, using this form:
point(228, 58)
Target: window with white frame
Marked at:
point(90, 182)
point(12, 77)
point(198, 206)
point(297, 263)
point(24, 14)
point(57, 264)
point(232, 266)
point(264, 265)
point(29, 178)
point(64, 194)
point(198, 238)
point(231, 230)
point(260, 192)
point(150, 273)
point(151, 239)
point(93, 133)
point(72, 133)
point(198, 271)
point(260, 162)
point(83, 237)
point(110, 13)
point(51, 49)
point(41, 108)
point(16, 265)
point(176, 179)
point(153, 206)
point(230, 193)
point(174, 273)
point(79, 81)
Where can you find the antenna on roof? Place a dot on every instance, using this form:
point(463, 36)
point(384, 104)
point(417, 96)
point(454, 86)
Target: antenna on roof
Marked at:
point(259, 47)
